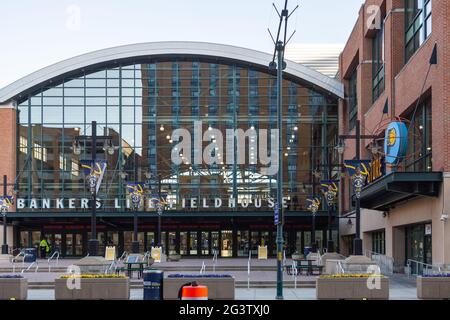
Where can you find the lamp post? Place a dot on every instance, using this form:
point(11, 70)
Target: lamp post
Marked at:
point(358, 183)
point(4, 209)
point(313, 204)
point(92, 180)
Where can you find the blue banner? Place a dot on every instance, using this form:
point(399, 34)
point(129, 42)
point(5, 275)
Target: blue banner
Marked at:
point(326, 184)
point(313, 203)
point(98, 169)
point(352, 165)
point(6, 201)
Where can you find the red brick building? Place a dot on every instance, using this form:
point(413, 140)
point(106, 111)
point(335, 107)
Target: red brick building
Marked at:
point(389, 75)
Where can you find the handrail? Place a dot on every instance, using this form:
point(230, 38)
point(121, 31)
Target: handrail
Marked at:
point(385, 262)
point(56, 253)
point(146, 255)
point(29, 267)
point(294, 272)
point(340, 268)
point(123, 256)
point(13, 259)
point(214, 260)
point(425, 267)
point(113, 264)
point(203, 269)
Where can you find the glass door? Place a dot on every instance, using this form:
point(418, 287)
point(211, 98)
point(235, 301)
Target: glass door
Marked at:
point(183, 243)
point(78, 244)
point(227, 243)
point(193, 243)
point(205, 243)
point(254, 242)
point(215, 242)
point(172, 243)
point(69, 245)
point(243, 243)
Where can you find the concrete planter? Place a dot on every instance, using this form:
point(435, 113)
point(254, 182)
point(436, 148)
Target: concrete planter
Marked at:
point(94, 289)
point(350, 288)
point(433, 287)
point(13, 289)
point(218, 288)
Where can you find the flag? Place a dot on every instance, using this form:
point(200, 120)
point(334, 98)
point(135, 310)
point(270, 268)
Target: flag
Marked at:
point(352, 165)
point(7, 201)
point(99, 171)
point(135, 186)
point(325, 184)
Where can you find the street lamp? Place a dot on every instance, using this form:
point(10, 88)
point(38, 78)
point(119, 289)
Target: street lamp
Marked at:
point(313, 205)
point(92, 179)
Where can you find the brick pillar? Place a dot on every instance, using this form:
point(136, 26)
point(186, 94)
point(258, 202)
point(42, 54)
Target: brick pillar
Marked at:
point(8, 145)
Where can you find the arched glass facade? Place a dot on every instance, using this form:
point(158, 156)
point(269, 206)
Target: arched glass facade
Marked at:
point(139, 106)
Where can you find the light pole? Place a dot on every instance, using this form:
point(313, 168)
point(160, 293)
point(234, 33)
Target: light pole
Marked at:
point(279, 66)
point(358, 182)
point(4, 209)
point(92, 180)
point(313, 205)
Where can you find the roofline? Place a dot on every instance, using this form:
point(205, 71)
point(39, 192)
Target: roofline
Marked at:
point(141, 50)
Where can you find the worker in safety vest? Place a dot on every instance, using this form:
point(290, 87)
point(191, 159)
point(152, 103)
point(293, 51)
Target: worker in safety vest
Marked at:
point(44, 247)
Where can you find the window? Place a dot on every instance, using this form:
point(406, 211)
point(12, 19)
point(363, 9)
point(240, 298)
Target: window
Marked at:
point(378, 242)
point(23, 144)
point(378, 64)
point(418, 22)
point(419, 155)
point(353, 100)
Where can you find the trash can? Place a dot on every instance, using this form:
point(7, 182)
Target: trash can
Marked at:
point(307, 251)
point(153, 284)
point(30, 255)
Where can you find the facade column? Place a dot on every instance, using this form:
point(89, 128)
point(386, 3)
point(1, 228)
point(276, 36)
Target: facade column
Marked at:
point(8, 145)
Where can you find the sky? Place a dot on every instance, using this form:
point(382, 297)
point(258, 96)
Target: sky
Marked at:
point(35, 34)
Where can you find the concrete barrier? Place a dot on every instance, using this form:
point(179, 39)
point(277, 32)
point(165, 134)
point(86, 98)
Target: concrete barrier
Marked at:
point(13, 288)
point(433, 287)
point(350, 288)
point(94, 289)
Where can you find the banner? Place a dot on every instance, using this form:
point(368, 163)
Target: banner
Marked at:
point(353, 165)
point(326, 185)
point(135, 193)
point(313, 203)
point(6, 203)
point(98, 171)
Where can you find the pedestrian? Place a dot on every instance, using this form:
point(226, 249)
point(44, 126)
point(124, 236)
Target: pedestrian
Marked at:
point(44, 247)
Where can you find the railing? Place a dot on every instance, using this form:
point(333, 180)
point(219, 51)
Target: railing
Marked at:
point(123, 256)
point(214, 260)
point(29, 267)
point(203, 268)
point(294, 272)
point(55, 256)
point(385, 262)
point(340, 268)
point(421, 268)
point(14, 260)
point(112, 266)
point(146, 256)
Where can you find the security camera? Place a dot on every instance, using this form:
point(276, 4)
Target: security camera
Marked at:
point(444, 217)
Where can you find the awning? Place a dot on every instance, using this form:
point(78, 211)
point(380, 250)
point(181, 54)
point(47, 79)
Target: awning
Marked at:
point(396, 187)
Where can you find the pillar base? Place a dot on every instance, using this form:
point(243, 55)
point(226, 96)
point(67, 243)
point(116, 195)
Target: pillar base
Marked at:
point(93, 247)
point(135, 246)
point(330, 246)
point(357, 247)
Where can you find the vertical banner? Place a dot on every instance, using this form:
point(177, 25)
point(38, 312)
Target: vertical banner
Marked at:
point(330, 190)
point(135, 193)
point(6, 203)
point(98, 169)
point(313, 204)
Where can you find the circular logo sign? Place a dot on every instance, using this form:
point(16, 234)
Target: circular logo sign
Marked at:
point(396, 142)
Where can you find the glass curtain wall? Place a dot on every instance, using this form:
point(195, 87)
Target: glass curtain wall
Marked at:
point(140, 105)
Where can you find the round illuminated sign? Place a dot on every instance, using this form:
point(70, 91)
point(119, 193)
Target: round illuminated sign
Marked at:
point(396, 142)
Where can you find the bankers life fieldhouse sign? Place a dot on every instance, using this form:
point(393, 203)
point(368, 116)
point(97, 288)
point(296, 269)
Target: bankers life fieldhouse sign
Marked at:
point(191, 203)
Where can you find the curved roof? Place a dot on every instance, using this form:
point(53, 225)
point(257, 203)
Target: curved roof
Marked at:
point(160, 49)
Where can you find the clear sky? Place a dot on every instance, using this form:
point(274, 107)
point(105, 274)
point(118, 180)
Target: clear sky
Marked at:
point(35, 34)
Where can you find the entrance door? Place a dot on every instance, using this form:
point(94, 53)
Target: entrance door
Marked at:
point(243, 243)
point(183, 243)
point(193, 243)
point(205, 243)
point(215, 242)
point(227, 243)
point(74, 244)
